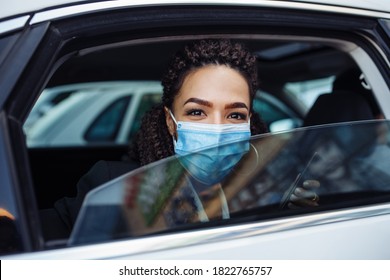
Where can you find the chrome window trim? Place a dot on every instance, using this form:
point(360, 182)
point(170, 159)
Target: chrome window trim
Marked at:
point(134, 247)
point(13, 24)
point(101, 6)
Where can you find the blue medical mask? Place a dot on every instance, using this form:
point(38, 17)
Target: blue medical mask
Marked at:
point(203, 148)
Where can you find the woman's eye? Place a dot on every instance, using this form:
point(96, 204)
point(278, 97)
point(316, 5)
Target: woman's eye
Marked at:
point(238, 116)
point(194, 112)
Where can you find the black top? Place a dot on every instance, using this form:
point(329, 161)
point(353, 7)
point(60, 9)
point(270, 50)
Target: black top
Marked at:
point(57, 222)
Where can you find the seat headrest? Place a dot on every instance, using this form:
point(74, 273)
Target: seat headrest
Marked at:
point(338, 107)
point(354, 80)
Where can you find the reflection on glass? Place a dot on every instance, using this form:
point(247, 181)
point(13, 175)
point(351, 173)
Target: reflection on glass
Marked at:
point(351, 161)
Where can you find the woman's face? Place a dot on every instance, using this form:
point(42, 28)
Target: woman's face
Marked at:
point(213, 94)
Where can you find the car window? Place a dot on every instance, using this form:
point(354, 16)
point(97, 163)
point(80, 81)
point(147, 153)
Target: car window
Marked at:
point(108, 110)
point(307, 91)
point(269, 112)
point(274, 112)
point(47, 101)
point(166, 196)
point(147, 101)
point(106, 126)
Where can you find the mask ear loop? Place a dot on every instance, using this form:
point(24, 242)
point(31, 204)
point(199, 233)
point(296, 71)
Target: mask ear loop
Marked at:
point(174, 120)
point(244, 160)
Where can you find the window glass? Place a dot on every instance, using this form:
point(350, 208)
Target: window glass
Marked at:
point(46, 101)
point(146, 103)
point(269, 112)
point(351, 161)
point(107, 124)
point(277, 115)
point(308, 91)
point(83, 114)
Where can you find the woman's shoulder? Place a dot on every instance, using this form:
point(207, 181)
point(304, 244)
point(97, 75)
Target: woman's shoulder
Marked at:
point(106, 170)
point(58, 221)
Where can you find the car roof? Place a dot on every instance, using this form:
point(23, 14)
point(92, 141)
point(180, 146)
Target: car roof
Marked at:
point(10, 9)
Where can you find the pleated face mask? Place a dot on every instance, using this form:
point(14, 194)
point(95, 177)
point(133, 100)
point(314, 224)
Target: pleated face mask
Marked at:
point(204, 151)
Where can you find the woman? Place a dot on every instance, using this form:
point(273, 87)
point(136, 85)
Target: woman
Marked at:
point(228, 62)
point(208, 91)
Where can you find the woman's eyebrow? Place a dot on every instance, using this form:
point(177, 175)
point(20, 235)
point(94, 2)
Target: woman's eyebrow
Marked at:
point(199, 101)
point(236, 105)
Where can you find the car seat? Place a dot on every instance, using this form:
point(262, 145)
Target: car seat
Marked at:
point(351, 99)
point(354, 80)
point(338, 107)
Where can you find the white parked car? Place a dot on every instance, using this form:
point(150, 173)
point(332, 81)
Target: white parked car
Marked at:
point(94, 113)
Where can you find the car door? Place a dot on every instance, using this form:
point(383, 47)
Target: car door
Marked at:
point(124, 41)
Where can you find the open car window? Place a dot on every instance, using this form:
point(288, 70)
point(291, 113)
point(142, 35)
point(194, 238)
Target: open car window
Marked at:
point(350, 160)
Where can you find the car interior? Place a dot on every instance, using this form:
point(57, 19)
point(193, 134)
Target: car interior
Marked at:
point(54, 171)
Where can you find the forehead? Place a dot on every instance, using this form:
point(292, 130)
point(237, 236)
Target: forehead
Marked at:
point(215, 82)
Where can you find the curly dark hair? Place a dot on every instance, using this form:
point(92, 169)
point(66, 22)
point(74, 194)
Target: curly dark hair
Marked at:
point(153, 141)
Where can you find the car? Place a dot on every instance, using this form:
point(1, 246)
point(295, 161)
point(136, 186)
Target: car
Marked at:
point(323, 128)
point(108, 112)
